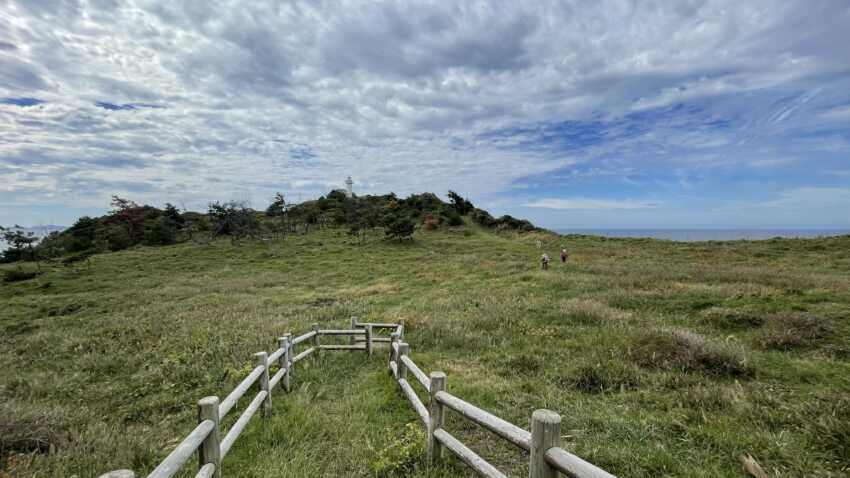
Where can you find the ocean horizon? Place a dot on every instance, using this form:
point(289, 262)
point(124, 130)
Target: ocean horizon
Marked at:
point(696, 234)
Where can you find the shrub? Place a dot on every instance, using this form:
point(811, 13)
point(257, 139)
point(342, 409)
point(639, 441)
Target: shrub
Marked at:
point(399, 228)
point(403, 455)
point(161, 231)
point(794, 331)
point(453, 217)
point(17, 275)
point(676, 349)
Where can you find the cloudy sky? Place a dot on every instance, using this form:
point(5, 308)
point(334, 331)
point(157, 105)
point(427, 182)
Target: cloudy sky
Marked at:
point(573, 114)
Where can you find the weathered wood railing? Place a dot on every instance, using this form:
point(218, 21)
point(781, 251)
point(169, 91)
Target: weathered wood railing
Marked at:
point(546, 457)
point(206, 439)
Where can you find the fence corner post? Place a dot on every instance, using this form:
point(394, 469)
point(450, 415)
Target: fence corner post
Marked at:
point(368, 341)
point(401, 329)
point(263, 359)
point(403, 349)
point(393, 358)
point(545, 434)
point(210, 449)
point(316, 342)
point(435, 422)
point(287, 355)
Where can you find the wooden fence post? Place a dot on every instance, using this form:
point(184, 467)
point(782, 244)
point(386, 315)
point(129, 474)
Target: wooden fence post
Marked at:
point(281, 361)
point(393, 358)
point(403, 349)
point(210, 449)
point(353, 327)
point(401, 332)
point(287, 380)
point(438, 384)
point(545, 434)
point(368, 341)
point(316, 342)
point(263, 359)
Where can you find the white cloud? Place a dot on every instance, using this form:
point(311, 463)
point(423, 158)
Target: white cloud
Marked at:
point(590, 204)
point(841, 113)
point(263, 96)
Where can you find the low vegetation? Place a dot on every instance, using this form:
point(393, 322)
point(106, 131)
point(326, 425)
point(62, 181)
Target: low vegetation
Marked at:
point(664, 359)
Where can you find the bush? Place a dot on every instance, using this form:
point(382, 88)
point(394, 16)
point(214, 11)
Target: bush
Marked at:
point(795, 331)
point(675, 349)
point(402, 456)
point(17, 275)
point(162, 231)
point(399, 228)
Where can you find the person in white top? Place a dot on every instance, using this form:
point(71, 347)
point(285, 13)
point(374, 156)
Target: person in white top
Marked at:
point(544, 261)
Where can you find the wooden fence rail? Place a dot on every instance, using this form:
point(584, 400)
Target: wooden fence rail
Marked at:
point(546, 457)
point(205, 439)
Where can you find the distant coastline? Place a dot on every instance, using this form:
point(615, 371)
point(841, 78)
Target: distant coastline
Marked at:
point(695, 235)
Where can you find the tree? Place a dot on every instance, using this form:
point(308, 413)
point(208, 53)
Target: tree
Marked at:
point(173, 215)
point(233, 219)
point(83, 234)
point(20, 244)
point(461, 205)
point(278, 207)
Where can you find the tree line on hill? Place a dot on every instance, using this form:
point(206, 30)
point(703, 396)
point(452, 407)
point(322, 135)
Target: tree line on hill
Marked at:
point(129, 224)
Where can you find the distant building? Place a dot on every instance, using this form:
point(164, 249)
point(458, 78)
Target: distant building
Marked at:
point(349, 187)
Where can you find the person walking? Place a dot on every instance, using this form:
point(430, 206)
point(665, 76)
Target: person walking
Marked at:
point(544, 261)
point(563, 254)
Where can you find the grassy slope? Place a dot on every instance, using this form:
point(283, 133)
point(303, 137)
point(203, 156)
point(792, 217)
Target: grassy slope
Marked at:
point(107, 363)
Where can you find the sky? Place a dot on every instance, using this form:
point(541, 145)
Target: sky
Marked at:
point(584, 114)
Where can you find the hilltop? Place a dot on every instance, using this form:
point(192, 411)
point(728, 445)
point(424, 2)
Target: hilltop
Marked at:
point(665, 359)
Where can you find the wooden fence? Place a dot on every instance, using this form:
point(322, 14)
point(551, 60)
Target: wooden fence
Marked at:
point(546, 457)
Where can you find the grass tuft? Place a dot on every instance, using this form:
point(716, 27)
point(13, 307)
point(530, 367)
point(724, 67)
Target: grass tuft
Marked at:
point(599, 378)
point(591, 312)
point(794, 330)
point(678, 349)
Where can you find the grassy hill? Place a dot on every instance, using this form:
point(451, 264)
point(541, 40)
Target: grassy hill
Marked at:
point(665, 359)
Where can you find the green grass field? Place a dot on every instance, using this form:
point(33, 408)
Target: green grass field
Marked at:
point(103, 365)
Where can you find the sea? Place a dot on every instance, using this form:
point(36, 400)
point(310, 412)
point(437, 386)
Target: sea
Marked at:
point(692, 235)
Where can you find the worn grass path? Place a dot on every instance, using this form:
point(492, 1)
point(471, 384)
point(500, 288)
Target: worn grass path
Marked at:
point(102, 367)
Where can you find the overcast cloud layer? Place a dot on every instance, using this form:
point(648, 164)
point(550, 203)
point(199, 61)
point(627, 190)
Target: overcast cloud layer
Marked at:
point(574, 114)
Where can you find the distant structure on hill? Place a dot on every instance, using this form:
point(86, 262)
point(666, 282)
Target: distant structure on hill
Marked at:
point(349, 185)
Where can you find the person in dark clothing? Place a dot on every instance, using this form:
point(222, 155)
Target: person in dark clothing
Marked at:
point(563, 254)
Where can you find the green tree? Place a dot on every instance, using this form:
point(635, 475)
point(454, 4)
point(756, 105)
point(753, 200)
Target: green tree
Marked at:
point(461, 205)
point(278, 207)
point(20, 244)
